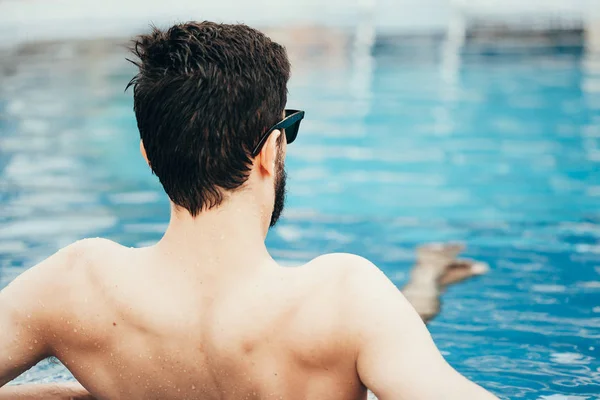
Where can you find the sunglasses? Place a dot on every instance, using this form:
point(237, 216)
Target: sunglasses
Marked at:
point(290, 125)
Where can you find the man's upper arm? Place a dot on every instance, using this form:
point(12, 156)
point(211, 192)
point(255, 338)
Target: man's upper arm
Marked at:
point(26, 308)
point(396, 356)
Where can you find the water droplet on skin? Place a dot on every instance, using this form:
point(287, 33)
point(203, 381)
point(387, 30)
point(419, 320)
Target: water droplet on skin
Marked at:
point(193, 387)
point(28, 315)
point(30, 347)
point(35, 341)
point(9, 358)
point(75, 330)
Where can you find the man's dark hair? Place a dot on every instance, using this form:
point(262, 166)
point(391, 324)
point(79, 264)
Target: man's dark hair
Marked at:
point(204, 94)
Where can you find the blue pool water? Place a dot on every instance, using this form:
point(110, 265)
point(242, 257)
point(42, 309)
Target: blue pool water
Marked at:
point(410, 142)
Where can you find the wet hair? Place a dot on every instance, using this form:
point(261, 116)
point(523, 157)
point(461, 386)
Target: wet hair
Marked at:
point(204, 94)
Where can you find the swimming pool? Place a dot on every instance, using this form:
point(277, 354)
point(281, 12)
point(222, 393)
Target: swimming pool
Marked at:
point(409, 142)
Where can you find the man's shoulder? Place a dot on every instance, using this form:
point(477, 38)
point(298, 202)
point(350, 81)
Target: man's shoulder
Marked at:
point(347, 279)
point(345, 268)
point(64, 271)
point(89, 246)
point(360, 285)
point(58, 266)
point(85, 253)
point(49, 289)
point(353, 292)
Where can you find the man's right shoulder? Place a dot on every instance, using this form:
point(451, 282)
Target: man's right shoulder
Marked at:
point(341, 260)
point(346, 269)
point(333, 286)
point(363, 289)
point(353, 279)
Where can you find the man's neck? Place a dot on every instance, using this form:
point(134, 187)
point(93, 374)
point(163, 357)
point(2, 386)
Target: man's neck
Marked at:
point(227, 237)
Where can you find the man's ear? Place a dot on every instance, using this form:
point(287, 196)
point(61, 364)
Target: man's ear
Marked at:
point(143, 151)
point(268, 155)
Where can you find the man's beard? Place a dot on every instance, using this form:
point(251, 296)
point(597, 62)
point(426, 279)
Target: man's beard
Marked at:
point(280, 177)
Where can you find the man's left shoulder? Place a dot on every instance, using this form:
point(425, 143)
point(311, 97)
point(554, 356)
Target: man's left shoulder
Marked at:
point(89, 247)
point(67, 271)
point(44, 292)
point(86, 253)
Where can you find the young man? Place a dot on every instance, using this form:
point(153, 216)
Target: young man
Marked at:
point(206, 313)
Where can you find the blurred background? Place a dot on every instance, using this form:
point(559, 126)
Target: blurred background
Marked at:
point(426, 120)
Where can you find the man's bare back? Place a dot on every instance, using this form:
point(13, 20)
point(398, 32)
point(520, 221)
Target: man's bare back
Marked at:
point(137, 323)
point(206, 313)
point(147, 324)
